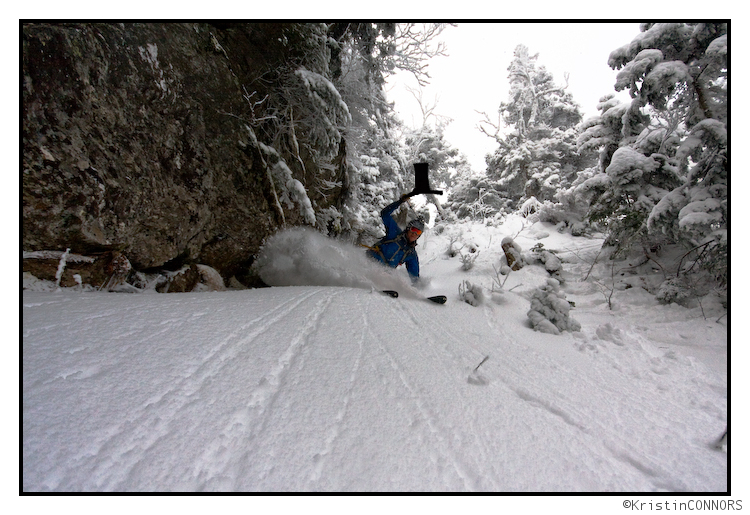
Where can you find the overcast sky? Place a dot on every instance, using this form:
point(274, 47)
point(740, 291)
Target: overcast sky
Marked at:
point(474, 77)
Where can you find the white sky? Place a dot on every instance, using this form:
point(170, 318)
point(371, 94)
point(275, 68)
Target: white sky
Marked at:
point(475, 75)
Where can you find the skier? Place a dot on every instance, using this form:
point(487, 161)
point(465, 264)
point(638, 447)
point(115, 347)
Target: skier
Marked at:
point(398, 247)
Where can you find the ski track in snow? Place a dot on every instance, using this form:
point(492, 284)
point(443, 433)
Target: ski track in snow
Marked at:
point(243, 425)
point(472, 457)
point(294, 399)
point(565, 409)
point(333, 432)
point(439, 436)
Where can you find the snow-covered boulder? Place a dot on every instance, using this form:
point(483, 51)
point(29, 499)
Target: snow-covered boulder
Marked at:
point(512, 252)
point(550, 311)
point(210, 279)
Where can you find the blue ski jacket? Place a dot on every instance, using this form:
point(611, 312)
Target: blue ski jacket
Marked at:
point(394, 249)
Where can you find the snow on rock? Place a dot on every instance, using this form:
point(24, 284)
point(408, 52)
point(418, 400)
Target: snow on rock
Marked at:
point(210, 279)
point(56, 254)
point(512, 251)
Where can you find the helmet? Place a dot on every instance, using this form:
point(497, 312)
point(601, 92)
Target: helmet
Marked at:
point(417, 223)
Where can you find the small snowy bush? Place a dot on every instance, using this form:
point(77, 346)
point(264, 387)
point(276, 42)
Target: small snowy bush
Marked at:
point(471, 293)
point(555, 213)
point(550, 311)
point(673, 290)
point(467, 260)
point(529, 207)
point(552, 263)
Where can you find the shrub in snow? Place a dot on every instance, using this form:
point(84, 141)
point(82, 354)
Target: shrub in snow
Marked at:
point(553, 212)
point(550, 311)
point(497, 282)
point(552, 263)
point(471, 293)
point(529, 207)
point(467, 260)
point(458, 242)
point(673, 290)
point(451, 251)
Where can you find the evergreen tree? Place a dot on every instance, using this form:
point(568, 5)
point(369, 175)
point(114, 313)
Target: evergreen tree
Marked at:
point(295, 125)
point(372, 161)
point(539, 156)
point(607, 132)
point(428, 145)
point(664, 177)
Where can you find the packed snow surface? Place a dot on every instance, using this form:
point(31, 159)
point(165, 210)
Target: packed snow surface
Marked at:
point(324, 384)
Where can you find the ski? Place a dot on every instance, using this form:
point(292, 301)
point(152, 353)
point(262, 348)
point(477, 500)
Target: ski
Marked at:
point(437, 299)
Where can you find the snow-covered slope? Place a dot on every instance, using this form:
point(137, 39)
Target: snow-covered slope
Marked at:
point(340, 388)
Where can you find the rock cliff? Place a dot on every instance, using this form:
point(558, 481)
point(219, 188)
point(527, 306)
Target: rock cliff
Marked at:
point(140, 140)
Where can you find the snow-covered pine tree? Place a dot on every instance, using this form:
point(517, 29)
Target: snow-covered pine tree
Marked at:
point(373, 161)
point(477, 197)
point(693, 81)
point(298, 126)
point(592, 194)
point(371, 172)
point(427, 144)
point(540, 155)
point(606, 132)
point(667, 180)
